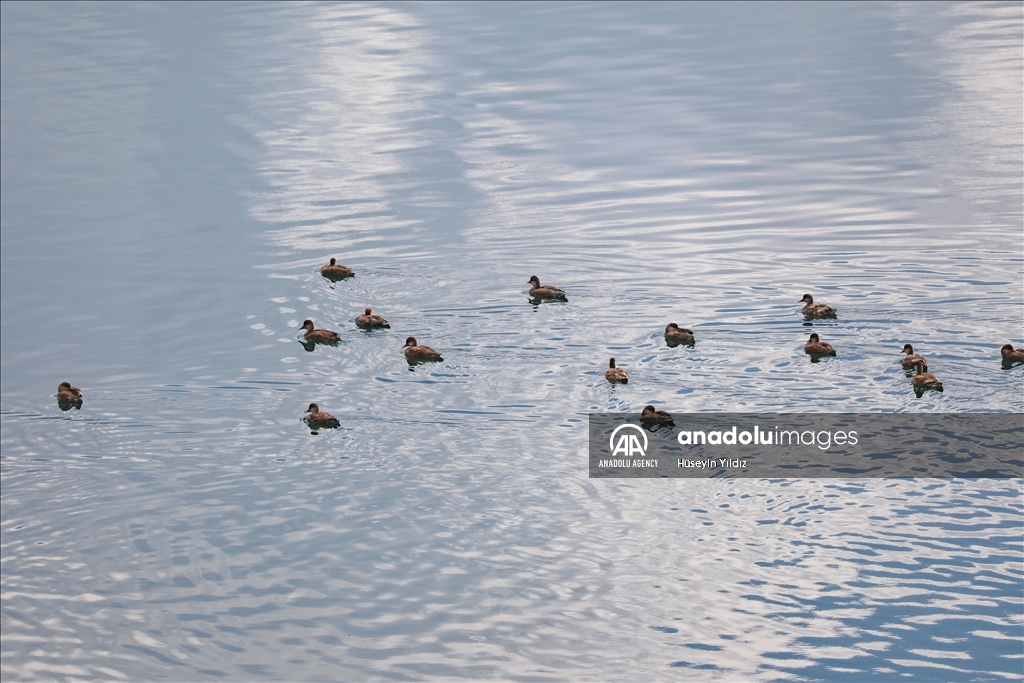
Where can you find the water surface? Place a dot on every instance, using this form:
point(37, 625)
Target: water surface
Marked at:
point(174, 176)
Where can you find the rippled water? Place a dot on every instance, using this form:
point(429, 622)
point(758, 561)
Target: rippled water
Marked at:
point(173, 177)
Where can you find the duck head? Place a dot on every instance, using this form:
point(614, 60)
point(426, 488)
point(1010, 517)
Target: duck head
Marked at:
point(807, 299)
point(1005, 350)
point(908, 349)
point(534, 280)
point(313, 408)
point(611, 363)
point(308, 326)
point(411, 341)
point(814, 337)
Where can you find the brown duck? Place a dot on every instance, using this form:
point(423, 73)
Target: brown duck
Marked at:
point(334, 271)
point(912, 359)
point(1011, 356)
point(923, 380)
point(813, 310)
point(319, 420)
point(69, 397)
point(368, 321)
point(319, 336)
point(418, 352)
point(678, 335)
point(545, 292)
point(816, 347)
point(649, 416)
point(614, 374)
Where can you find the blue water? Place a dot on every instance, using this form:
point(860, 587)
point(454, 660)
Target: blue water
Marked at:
point(174, 176)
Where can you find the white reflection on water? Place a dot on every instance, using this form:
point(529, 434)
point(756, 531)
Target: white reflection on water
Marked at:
point(342, 118)
point(691, 162)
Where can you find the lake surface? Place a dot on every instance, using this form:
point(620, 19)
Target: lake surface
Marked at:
point(173, 177)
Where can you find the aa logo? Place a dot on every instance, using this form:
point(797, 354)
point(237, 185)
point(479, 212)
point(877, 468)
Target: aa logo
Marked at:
point(627, 444)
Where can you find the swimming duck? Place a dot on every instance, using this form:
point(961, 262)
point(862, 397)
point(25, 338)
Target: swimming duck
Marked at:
point(318, 420)
point(649, 416)
point(923, 380)
point(675, 335)
point(319, 336)
point(368, 321)
point(816, 347)
point(614, 374)
point(417, 352)
point(545, 292)
point(69, 397)
point(1011, 356)
point(813, 310)
point(911, 359)
point(334, 271)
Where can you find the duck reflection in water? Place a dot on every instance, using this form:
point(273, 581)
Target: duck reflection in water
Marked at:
point(68, 397)
point(417, 353)
point(676, 336)
point(818, 349)
point(1011, 356)
point(313, 336)
point(540, 294)
point(651, 418)
point(320, 420)
point(334, 271)
point(924, 381)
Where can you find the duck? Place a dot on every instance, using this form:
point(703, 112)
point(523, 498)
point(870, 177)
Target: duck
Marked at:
point(545, 292)
point(417, 352)
point(675, 335)
point(813, 310)
point(614, 374)
point(318, 420)
point(923, 380)
point(816, 347)
point(1011, 356)
point(649, 416)
point(368, 321)
point(68, 396)
point(334, 271)
point(911, 359)
point(319, 336)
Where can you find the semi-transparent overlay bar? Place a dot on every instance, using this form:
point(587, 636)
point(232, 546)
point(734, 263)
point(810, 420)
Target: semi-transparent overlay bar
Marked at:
point(813, 446)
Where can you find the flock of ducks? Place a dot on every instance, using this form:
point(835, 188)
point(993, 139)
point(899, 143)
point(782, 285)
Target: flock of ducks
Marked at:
point(71, 397)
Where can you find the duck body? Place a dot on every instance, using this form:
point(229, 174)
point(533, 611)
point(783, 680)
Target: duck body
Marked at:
point(320, 420)
point(319, 336)
point(334, 271)
point(923, 380)
point(813, 310)
point(415, 352)
point(69, 397)
point(545, 292)
point(1011, 356)
point(369, 321)
point(675, 335)
point(912, 359)
point(816, 347)
point(614, 374)
point(649, 416)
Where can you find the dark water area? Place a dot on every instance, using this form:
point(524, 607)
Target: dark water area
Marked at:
point(173, 176)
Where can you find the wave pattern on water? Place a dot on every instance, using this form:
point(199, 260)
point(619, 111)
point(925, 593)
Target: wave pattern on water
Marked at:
point(687, 163)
